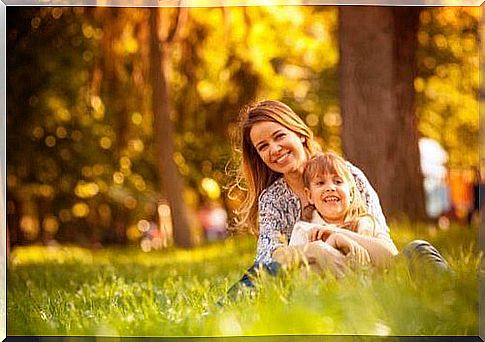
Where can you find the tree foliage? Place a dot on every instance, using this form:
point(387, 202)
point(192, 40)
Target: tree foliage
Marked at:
point(447, 82)
point(82, 164)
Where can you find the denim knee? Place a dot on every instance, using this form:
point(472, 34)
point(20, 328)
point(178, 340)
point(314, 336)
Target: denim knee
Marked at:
point(271, 268)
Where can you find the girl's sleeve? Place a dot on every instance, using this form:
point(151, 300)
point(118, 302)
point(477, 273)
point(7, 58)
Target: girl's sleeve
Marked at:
point(372, 202)
point(270, 222)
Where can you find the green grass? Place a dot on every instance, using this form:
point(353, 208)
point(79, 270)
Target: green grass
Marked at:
point(74, 291)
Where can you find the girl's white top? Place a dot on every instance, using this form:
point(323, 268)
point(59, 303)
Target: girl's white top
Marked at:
point(280, 209)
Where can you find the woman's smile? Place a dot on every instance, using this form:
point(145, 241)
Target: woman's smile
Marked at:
point(282, 158)
point(280, 148)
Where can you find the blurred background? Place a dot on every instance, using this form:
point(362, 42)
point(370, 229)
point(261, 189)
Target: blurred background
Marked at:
point(121, 121)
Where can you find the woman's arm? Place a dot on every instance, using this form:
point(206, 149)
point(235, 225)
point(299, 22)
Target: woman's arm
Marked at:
point(274, 224)
point(371, 200)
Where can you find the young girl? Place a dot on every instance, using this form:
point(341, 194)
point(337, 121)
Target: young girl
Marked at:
point(340, 217)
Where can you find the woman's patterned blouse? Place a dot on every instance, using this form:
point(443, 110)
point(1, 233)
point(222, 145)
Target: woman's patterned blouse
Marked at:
point(279, 209)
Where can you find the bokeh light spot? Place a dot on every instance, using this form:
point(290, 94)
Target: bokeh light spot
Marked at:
point(137, 118)
point(130, 202)
point(50, 141)
point(164, 210)
point(312, 120)
point(118, 178)
point(80, 209)
point(38, 132)
point(50, 224)
point(35, 23)
point(105, 143)
point(143, 225)
point(65, 215)
point(211, 188)
point(61, 132)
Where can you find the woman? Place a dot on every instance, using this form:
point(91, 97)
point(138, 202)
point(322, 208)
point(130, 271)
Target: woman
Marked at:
point(275, 144)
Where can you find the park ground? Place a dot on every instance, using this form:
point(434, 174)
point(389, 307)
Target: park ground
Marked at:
point(174, 292)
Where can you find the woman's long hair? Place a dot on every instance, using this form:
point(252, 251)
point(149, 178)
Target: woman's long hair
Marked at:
point(254, 175)
point(331, 163)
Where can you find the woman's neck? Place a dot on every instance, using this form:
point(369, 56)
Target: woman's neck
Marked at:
point(295, 182)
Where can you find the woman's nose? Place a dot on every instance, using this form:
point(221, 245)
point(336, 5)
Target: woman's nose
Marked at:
point(274, 148)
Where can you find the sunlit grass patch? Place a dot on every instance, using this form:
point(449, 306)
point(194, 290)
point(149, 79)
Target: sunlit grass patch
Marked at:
point(175, 292)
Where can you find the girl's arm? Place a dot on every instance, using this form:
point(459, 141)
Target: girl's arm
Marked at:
point(316, 252)
point(366, 226)
point(380, 250)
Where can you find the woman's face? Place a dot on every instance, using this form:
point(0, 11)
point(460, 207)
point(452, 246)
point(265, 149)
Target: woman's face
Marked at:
point(280, 149)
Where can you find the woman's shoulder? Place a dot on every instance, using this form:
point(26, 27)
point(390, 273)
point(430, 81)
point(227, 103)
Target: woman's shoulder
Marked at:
point(275, 190)
point(354, 170)
point(278, 196)
point(359, 176)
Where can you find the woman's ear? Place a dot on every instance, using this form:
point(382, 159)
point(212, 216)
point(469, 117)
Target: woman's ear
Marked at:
point(302, 139)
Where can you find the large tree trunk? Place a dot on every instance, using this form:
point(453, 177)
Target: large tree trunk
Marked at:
point(171, 180)
point(377, 70)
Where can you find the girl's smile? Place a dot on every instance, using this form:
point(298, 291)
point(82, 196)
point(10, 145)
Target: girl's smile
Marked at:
point(331, 196)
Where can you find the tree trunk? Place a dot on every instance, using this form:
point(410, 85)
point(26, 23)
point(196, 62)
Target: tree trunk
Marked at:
point(377, 70)
point(171, 181)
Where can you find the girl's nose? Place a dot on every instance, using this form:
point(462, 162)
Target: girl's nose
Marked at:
point(329, 187)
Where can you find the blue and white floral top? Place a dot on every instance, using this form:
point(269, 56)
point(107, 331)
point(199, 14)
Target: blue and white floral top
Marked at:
point(279, 209)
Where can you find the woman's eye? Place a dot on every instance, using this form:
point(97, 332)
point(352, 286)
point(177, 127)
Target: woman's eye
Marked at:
point(261, 148)
point(280, 136)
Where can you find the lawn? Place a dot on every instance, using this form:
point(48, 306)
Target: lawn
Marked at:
point(126, 292)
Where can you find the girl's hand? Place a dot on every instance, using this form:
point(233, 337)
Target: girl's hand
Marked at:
point(323, 232)
point(354, 252)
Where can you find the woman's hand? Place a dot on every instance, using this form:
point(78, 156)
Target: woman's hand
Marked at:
point(354, 252)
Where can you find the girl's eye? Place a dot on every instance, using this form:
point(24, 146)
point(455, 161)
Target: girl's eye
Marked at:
point(338, 181)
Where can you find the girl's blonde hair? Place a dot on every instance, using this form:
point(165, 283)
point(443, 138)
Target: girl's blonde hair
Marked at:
point(331, 163)
point(254, 175)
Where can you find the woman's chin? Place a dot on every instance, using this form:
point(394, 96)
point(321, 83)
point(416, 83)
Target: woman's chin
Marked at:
point(288, 168)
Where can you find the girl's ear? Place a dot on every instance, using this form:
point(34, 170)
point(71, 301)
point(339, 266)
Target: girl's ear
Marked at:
point(309, 196)
point(302, 139)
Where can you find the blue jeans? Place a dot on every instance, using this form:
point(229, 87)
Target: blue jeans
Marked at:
point(422, 258)
point(271, 268)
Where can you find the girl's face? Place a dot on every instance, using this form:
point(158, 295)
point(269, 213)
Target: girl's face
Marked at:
point(280, 148)
point(330, 194)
